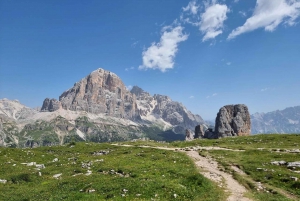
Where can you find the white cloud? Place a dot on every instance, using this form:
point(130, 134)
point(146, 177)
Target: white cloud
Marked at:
point(235, 1)
point(161, 55)
point(228, 63)
point(192, 97)
point(265, 89)
point(134, 43)
point(128, 69)
point(210, 96)
point(243, 13)
point(191, 7)
point(268, 14)
point(212, 20)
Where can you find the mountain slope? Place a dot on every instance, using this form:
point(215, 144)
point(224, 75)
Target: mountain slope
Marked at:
point(279, 121)
point(163, 108)
point(98, 108)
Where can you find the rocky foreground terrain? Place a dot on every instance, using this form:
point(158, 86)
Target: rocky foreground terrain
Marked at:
point(98, 108)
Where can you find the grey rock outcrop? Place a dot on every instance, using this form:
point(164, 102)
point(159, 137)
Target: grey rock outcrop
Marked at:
point(163, 107)
point(101, 92)
point(50, 105)
point(210, 134)
point(233, 120)
point(199, 131)
point(189, 135)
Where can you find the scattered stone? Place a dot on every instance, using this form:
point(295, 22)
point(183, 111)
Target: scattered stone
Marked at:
point(99, 160)
point(278, 163)
point(89, 172)
point(55, 160)
point(31, 164)
point(91, 190)
point(3, 181)
point(294, 178)
point(138, 195)
point(295, 151)
point(40, 174)
point(56, 176)
point(40, 166)
point(87, 165)
point(101, 152)
point(293, 164)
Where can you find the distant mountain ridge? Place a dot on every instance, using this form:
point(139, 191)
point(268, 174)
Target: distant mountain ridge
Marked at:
point(279, 121)
point(98, 108)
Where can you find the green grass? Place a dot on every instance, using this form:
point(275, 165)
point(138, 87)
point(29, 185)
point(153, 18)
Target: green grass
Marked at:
point(145, 173)
point(256, 151)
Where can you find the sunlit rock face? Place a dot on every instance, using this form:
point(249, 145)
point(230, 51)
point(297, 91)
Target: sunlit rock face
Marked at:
point(101, 92)
point(233, 120)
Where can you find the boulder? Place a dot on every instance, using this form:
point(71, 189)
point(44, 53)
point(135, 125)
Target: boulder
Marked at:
point(233, 120)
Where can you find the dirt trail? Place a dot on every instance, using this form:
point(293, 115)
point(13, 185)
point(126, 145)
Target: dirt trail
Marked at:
point(209, 168)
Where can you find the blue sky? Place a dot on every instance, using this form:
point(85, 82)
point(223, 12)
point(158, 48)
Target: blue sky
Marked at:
point(204, 54)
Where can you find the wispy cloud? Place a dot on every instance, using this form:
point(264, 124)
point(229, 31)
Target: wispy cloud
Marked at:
point(268, 14)
point(210, 96)
point(161, 55)
point(243, 13)
point(264, 89)
point(134, 43)
point(128, 69)
point(191, 97)
point(212, 20)
point(191, 7)
point(228, 63)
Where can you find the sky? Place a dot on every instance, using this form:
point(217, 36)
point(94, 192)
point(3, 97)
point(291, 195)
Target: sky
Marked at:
point(204, 54)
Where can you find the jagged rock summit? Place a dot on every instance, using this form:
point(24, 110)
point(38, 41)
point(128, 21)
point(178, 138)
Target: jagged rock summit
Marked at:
point(233, 120)
point(99, 92)
point(103, 92)
point(279, 121)
point(164, 108)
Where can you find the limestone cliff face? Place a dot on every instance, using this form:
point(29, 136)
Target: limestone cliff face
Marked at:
point(50, 105)
point(233, 120)
point(163, 107)
point(101, 92)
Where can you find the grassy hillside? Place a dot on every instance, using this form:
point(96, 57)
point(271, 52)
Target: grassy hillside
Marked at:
point(254, 156)
point(116, 173)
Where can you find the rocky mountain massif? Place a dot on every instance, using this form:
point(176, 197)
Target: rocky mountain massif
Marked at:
point(279, 121)
point(98, 108)
point(231, 120)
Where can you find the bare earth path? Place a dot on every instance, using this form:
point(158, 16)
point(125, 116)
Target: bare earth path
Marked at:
point(209, 168)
